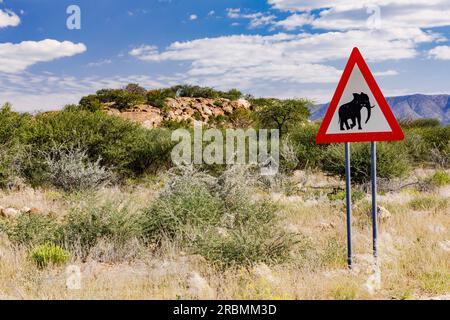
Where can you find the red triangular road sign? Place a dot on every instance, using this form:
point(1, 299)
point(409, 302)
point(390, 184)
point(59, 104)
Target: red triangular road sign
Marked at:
point(358, 111)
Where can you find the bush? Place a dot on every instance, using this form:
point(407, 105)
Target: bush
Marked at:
point(71, 170)
point(253, 238)
point(174, 124)
point(205, 92)
point(392, 161)
point(428, 203)
point(49, 254)
point(439, 179)
point(120, 144)
point(84, 227)
point(186, 204)
point(217, 219)
point(121, 98)
point(280, 114)
point(136, 89)
point(157, 98)
point(303, 142)
point(90, 103)
point(33, 229)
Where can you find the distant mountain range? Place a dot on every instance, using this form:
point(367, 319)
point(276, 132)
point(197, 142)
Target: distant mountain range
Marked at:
point(408, 107)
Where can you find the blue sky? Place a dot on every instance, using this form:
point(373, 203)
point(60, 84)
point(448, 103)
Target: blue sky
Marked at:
point(282, 48)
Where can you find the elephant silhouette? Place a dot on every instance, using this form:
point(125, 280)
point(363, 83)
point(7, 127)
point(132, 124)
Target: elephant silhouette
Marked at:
point(352, 111)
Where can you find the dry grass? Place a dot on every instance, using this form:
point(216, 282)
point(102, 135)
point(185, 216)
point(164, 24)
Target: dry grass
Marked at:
point(413, 263)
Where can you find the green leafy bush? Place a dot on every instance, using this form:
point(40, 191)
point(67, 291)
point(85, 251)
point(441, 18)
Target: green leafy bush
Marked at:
point(49, 254)
point(280, 114)
point(84, 227)
point(34, 229)
point(157, 98)
point(120, 144)
point(302, 138)
point(217, 219)
point(440, 178)
point(205, 92)
point(90, 103)
point(121, 98)
point(392, 161)
point(253, 237)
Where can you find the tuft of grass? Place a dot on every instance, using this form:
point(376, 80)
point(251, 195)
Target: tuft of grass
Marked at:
point(439, 178)
point(428, 203)
point(435, 282)
point(49, 254)
point(84, 227)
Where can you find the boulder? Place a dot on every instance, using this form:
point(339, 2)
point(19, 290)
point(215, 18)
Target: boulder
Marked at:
point(383, 213)
point(10, 213)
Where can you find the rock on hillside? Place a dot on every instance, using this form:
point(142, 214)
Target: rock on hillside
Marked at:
point(180, 109)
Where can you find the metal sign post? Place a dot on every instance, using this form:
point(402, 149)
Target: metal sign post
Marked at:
point(349, 204)
point(374, 199)
point(356, 91)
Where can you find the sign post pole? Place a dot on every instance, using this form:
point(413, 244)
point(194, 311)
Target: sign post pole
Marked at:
point(349, 204)
point(356, 91)
point(374, 199)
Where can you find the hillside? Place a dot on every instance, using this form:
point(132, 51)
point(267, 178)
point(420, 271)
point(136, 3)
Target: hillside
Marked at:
point(408, 107)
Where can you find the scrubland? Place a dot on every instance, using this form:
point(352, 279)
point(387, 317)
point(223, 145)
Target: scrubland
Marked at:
point(91, 207)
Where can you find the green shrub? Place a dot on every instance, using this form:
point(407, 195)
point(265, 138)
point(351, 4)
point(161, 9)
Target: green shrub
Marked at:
point(84, 227)
point(428, 203)
point(217, 219)
point(49, 254)
point(174, 125)
point(157, 98)
point(392, 161)
point(34, 229)
point(241, 118)
point(179, 214)
point(340, 195)
point(120, 144)
point(90, 103)
point(205, 92)
point(303, 141)
point(253, 237)
point(280, 114)
point(121, 98)
point(136, 89)
point(440, 178)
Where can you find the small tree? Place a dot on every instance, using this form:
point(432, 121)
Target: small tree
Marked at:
point(91, 103)
point(280, 114)
point(135, 88)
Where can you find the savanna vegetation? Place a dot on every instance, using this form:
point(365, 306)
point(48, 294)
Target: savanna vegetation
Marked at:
point(82, 188)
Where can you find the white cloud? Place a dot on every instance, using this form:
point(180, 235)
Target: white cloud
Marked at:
point(16, 57)
point(47, 91)
point(295, 21)
point(349, 14)
point(257, 19)
point(386, 73)
point(245, 60)
point(193, 17)
point(440, 53)
point(8, 19)
point(100, 63)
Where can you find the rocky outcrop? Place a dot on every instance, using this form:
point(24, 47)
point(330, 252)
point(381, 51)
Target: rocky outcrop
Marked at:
point(180, 109)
